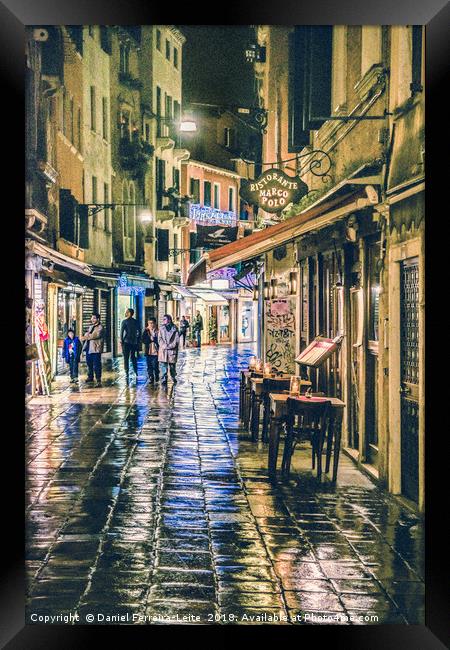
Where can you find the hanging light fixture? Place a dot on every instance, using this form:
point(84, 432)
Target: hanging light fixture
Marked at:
point(273, 287)
point(267, 290)
point(293, 283)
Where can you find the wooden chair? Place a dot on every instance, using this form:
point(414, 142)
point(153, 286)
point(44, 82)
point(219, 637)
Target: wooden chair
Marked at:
point(313, 417)
point(271, 386)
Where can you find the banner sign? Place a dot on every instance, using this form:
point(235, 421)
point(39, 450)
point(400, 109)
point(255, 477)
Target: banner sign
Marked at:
point(215, 236)
point(211, 216)
point(273, 190)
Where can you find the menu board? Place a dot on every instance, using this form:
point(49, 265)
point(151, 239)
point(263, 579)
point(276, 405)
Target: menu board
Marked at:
point(318, 351)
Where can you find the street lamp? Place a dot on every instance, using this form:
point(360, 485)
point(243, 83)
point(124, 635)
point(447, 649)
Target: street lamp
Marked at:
point(188, 126)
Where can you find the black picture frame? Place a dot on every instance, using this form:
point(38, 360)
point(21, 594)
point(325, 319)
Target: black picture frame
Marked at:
point(14, 15)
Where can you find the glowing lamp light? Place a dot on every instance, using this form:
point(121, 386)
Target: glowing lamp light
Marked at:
point(188, 126)
point(252, 363)
point(259, 365)
point(294, 387)
point(267, 369)
point(146, 216)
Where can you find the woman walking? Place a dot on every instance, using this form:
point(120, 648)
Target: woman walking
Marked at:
point(168, 341)
point(151, 346)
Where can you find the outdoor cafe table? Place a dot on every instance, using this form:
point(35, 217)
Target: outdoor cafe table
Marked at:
point(278, 415)
point(257, 398)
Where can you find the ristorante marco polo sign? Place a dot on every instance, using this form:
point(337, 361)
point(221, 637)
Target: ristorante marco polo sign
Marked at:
point(273, 190)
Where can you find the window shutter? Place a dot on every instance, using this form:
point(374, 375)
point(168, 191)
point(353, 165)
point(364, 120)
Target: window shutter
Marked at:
point(67, 215)
point(310, 63)
point(318, 75)
point(192, 245)
point(83, 213)
point(162, 245)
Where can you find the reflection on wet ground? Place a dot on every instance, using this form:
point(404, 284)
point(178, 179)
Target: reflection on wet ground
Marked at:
point(152, 504)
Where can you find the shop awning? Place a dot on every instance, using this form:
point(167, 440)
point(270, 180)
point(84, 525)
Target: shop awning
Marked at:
point(183, 291)
point(210, 297)
point(262, 241)
point(58, 258)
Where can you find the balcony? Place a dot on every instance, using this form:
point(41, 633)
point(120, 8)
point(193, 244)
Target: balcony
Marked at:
point(127, 79)
point(135, 155)
point(166, 137)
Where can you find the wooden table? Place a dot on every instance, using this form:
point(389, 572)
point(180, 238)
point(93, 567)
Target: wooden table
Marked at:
point(278, 415)
point(257, 397)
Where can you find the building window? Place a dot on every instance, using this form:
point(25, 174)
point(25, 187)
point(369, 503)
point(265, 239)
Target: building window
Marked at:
point(194, 190)
point(217, 196)
point(91, 30)
point(158, 39)
point(231, 199)
point(72, 122)
point(160, 182)
point(105, 118)
point(227, 137)
point(417, 66)
point(107, 210)
point(125, 125)
point(176, 111)
point(176, 178)
point(124, 54)
point(94, 198)
point(93, 109)
point(79, 129)
point(175, 57)
point(147, 132)
point(207, 193)
point(167, 50)
point(175, 246)
point(169, 106)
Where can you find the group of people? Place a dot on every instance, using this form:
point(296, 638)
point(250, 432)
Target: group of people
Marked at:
point(161, 347)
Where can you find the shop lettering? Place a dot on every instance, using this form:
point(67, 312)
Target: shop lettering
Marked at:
point(273, 190)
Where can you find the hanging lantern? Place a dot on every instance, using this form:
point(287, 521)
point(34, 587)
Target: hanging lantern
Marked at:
point(293, 283)
point(267, 290)
point(273, 288)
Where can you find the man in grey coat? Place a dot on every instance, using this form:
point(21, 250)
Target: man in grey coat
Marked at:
point(93, 347)
point(168, 340)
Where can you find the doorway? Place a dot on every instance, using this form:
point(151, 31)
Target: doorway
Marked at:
point(409, 377)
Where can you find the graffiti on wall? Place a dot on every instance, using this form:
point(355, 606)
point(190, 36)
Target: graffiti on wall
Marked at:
point(280, 320)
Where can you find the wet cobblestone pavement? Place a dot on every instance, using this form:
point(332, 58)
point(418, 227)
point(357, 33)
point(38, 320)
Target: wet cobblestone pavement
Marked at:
point(148, 503)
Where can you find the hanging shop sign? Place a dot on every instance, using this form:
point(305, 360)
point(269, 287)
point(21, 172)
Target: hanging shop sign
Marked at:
point(211, 216)
point(273, 190)
point(215, 236)
point(221, 274)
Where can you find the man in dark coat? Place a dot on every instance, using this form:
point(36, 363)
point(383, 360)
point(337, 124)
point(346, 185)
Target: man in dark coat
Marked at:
point(130, 338)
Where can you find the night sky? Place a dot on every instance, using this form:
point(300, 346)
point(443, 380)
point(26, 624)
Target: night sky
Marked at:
point(214, 66)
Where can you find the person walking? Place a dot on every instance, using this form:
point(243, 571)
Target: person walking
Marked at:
point(130, 338)
point(197, 328)
point(184, 326)
point(151, 346)
point(93, 347)
point(168, 340)
point(71, 354)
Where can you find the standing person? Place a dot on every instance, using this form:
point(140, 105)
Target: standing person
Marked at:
point(197, 328)
point(168, 340)
point(150, 341)
point(130, 338)
point(94, 347)
point(72, 353)
point(184, 326)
